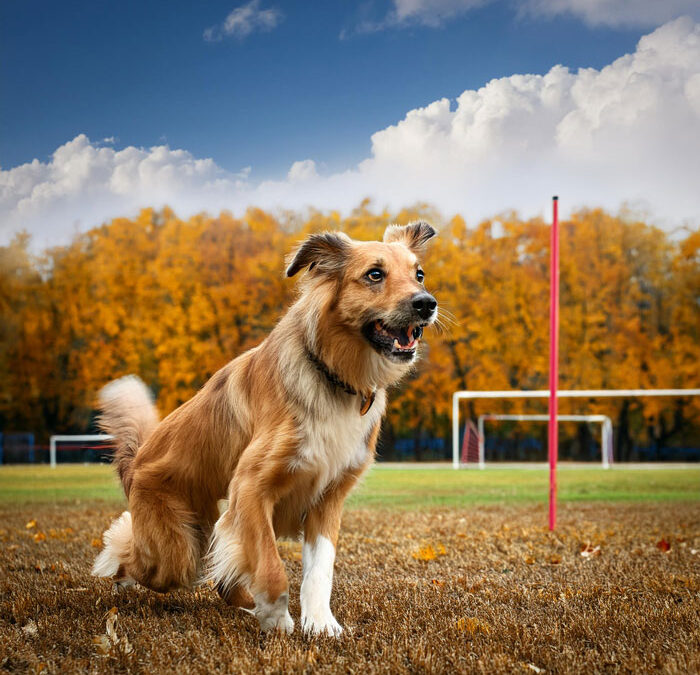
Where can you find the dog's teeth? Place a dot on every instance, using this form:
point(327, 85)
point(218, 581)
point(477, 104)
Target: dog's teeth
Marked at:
point(396, 344)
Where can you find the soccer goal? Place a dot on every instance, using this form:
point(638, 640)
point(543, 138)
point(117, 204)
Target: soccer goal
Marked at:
point(459, 396)
point(75, 443)
point(606, 431)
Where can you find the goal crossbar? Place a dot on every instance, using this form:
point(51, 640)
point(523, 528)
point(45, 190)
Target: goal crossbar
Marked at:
point(74, 438)
point(606, 432)
point(544, 393)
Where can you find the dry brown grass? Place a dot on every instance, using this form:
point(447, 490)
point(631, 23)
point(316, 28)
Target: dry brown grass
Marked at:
point(484, 590)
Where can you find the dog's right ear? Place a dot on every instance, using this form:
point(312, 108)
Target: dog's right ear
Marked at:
point(414, 235)
point(326, 252)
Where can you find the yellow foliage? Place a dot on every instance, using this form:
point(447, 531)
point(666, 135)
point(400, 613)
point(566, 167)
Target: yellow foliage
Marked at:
point(174, 300)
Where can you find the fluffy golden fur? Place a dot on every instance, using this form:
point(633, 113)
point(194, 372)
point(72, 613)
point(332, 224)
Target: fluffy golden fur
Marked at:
point(283, 432)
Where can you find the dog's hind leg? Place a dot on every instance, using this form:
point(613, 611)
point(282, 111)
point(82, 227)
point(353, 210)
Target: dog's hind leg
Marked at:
point(155, 544)
point(166, 548)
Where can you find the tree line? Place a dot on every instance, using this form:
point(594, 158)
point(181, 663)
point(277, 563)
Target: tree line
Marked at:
point(173, 300)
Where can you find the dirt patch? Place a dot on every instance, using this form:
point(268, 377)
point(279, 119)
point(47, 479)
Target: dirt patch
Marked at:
point(615, 589)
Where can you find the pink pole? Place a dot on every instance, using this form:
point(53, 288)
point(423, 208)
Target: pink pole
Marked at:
point(553, 362)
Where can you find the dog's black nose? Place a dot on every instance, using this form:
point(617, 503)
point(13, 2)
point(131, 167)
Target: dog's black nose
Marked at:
point(424, 304)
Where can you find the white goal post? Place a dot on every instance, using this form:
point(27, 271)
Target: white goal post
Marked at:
point(606, 431)
point(544, 393)
point(75, 439)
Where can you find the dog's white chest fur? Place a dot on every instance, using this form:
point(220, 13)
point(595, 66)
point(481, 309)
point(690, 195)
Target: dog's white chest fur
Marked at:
point(335, 438)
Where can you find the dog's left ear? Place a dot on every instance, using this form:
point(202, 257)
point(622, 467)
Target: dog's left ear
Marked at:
point(326, 252)
point(414, 235)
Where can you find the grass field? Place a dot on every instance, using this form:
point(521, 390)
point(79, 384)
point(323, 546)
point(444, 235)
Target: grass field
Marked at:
point(437, 571)
point(393, 487)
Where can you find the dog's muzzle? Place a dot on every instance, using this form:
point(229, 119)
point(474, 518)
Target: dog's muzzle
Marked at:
point(397, 336)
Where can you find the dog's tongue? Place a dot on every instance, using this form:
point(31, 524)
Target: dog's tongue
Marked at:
point(405, 338)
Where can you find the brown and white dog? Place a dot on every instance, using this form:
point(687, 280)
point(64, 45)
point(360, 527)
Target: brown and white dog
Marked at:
point(283, 431)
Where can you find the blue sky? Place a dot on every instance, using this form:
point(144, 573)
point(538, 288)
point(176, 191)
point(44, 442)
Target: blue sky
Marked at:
point(290, 82)
point(142, 73)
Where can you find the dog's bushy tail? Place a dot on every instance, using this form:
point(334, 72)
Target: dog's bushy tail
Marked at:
point(128, 413)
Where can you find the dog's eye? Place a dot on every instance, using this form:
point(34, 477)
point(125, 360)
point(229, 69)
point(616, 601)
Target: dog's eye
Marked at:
point(420, 276)
point(375, 275)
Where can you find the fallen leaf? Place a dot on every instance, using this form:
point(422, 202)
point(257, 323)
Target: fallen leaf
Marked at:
point(104, 643)
point(437, 582)
point(31, 524)
point(589, 551)
point(111, 626)
point(39, 536)
point(663, 545)
point(529, 560)
point(425, 553)
point(554, 559)
point(472, 625)
point(96, 543)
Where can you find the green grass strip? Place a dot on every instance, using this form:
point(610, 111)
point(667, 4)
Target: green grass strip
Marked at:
point(393, 487)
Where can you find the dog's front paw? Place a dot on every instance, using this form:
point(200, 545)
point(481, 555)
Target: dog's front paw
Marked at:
point(323, 624)
point(273, 615)
point(282, 624)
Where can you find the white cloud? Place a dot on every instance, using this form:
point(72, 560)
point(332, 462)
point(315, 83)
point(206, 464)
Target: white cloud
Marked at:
point(614, 13)
point(243, 21)
point(302, 171)
point(627, 133)
point(431, 12)
point(405, 13)
point(85, 183)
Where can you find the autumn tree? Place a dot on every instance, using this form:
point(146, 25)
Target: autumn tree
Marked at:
point(173, 300)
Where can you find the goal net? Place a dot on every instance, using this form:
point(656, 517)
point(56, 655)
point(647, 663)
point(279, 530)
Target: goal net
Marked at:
point(472, 444)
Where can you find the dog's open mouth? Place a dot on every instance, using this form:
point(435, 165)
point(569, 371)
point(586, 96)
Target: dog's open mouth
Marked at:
point(398, 343)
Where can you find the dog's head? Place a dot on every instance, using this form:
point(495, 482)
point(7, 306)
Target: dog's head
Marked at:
point(376, 289)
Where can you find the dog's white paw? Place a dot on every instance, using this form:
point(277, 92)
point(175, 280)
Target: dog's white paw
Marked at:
point(273, 615)
point(323, 623)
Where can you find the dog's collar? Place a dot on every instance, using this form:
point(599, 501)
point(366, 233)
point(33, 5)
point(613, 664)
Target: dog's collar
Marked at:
point(366, 400)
